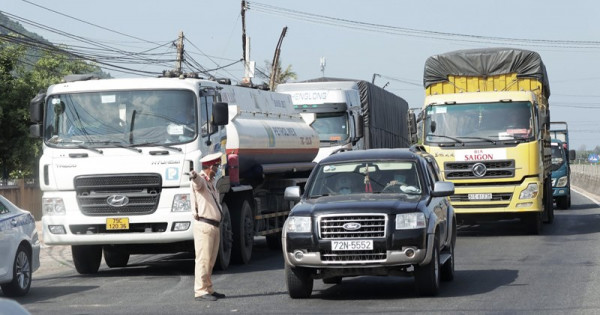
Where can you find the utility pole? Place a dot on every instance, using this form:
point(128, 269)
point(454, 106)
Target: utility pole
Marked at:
point(275, 64)
point(244, 31)
point(375, 75)
point(179, 53)
point(248, 65)
point(323, 66)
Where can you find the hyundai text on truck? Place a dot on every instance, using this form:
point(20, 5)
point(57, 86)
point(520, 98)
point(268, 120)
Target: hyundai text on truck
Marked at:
point(350, 114)
point(117, 155)
point(486, 119)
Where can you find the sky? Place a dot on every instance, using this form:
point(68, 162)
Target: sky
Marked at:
point(357, 39)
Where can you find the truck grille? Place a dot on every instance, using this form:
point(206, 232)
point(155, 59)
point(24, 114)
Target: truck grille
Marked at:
point(353, 256)
point(371, 226)
point(135, 194)
point(494, 169)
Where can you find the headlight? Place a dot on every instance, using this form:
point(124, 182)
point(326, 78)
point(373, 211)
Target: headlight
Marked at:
point(181, 203)
point(407, 221)
point(530, 192)
point(53, 206)
point(562, 182)
point(298, 224)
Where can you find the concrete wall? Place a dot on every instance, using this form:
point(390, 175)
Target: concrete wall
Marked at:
point(586, 177)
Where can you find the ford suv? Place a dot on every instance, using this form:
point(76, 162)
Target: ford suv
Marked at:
point(378, 212)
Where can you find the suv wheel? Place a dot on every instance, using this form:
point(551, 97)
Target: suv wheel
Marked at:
point(427, 277)
point(299, 282)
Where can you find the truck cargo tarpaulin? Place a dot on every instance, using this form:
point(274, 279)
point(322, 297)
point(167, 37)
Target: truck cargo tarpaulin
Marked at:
point(486, 62)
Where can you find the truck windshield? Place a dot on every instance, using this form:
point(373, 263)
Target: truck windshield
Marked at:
point(473, 123)
point(558, 156)
point(114, 118)
point(331, 127)
point(371, 177)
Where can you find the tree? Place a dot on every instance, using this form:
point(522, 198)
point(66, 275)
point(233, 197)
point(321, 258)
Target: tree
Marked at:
point(20, 81)
point(281, 76)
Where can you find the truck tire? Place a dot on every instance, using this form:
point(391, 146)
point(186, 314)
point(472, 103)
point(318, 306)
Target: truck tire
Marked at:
point(274, 241)
point(21, 274)
point(115, 257)
point(242, 224)
point(427, 277)
point(299, 282)
point(533, 222)
point(548, 202)
point(86, 258)
point(563, 202)
point(226, 240)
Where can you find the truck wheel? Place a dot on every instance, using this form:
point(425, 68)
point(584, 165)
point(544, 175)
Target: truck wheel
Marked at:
point(548, 201)
point(274, 241)
point(21, 274)
point(533, 222)
point(563, 203)
point(115, 257)
point(243, 234)
point(86, 258)
point(427, 277)
point(299, 282)
point(224, 254)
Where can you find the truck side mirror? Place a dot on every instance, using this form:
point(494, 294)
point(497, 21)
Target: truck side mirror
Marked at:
point(359, 125)
point(572, 155)
point(35, 131)
point(412, 126)
point(220, 113)
point(36, 108)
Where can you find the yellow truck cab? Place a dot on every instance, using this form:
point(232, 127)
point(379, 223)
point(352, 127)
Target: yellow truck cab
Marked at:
point(486, 121)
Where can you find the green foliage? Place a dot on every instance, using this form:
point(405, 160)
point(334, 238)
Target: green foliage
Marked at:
point(20, 81)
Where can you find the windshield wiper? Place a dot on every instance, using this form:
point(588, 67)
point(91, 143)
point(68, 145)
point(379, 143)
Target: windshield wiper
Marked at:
point(166, 146)
point(456, 140)
point(479, 138)
point(83, 146)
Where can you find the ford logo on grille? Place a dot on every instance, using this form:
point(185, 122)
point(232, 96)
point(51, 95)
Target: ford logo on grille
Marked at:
point(479, 169)
point(351, 226)
point(117, 200)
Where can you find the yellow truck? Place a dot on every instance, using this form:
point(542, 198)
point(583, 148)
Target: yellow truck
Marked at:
point(486, 120)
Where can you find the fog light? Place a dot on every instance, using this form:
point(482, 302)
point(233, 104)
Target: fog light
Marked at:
point(298, 255)
point(524, 204)
point(180, 226)
point(57, 229)
point(409, 253)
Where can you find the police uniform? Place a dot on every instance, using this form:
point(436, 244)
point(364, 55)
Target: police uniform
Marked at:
point(207, 214)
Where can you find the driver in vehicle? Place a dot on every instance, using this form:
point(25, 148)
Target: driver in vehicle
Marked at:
point(343, 185)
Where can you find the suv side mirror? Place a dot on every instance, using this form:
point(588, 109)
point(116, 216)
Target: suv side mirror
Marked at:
point(442, 189)
point(292, 193)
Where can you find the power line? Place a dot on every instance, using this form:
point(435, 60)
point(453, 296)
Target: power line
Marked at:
point(403, 31)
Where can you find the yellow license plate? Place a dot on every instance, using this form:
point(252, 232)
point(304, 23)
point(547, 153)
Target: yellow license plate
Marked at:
point(117, 224)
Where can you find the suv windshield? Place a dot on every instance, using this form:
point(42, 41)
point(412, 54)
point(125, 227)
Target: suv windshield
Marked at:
point(489, 122)
point(370, 177)
point(112, 118)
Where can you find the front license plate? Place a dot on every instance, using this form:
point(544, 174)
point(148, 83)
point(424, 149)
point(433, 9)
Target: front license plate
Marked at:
point(117, 224)
point(480, 196)
point(352, 245)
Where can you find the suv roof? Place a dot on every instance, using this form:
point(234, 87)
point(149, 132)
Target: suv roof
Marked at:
point(375, 154)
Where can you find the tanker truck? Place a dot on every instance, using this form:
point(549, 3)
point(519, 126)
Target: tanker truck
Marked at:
point(117, 154)
point(350, 114)
point(486, 120)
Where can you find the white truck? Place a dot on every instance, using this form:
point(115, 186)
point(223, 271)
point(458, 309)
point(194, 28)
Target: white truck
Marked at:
point(350, 114)
point(117, 155)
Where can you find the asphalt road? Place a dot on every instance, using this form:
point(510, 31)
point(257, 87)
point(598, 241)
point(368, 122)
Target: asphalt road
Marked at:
point(499, 270)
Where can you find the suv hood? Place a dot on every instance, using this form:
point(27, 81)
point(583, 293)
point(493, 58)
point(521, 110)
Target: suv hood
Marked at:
point(363, 203)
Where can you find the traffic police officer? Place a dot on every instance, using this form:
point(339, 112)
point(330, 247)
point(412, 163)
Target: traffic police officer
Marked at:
point(207, 214)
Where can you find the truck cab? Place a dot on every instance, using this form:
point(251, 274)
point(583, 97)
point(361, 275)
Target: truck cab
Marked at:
point(561, 174)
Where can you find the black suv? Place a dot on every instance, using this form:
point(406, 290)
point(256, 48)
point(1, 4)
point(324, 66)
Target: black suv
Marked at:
point(371, 212)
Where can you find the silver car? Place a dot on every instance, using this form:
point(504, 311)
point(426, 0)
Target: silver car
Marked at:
point(20, 248)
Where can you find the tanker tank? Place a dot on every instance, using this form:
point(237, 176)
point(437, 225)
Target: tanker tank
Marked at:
point(266, 135)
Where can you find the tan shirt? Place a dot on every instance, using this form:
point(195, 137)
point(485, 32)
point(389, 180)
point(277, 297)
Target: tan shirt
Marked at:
point(201, 198)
